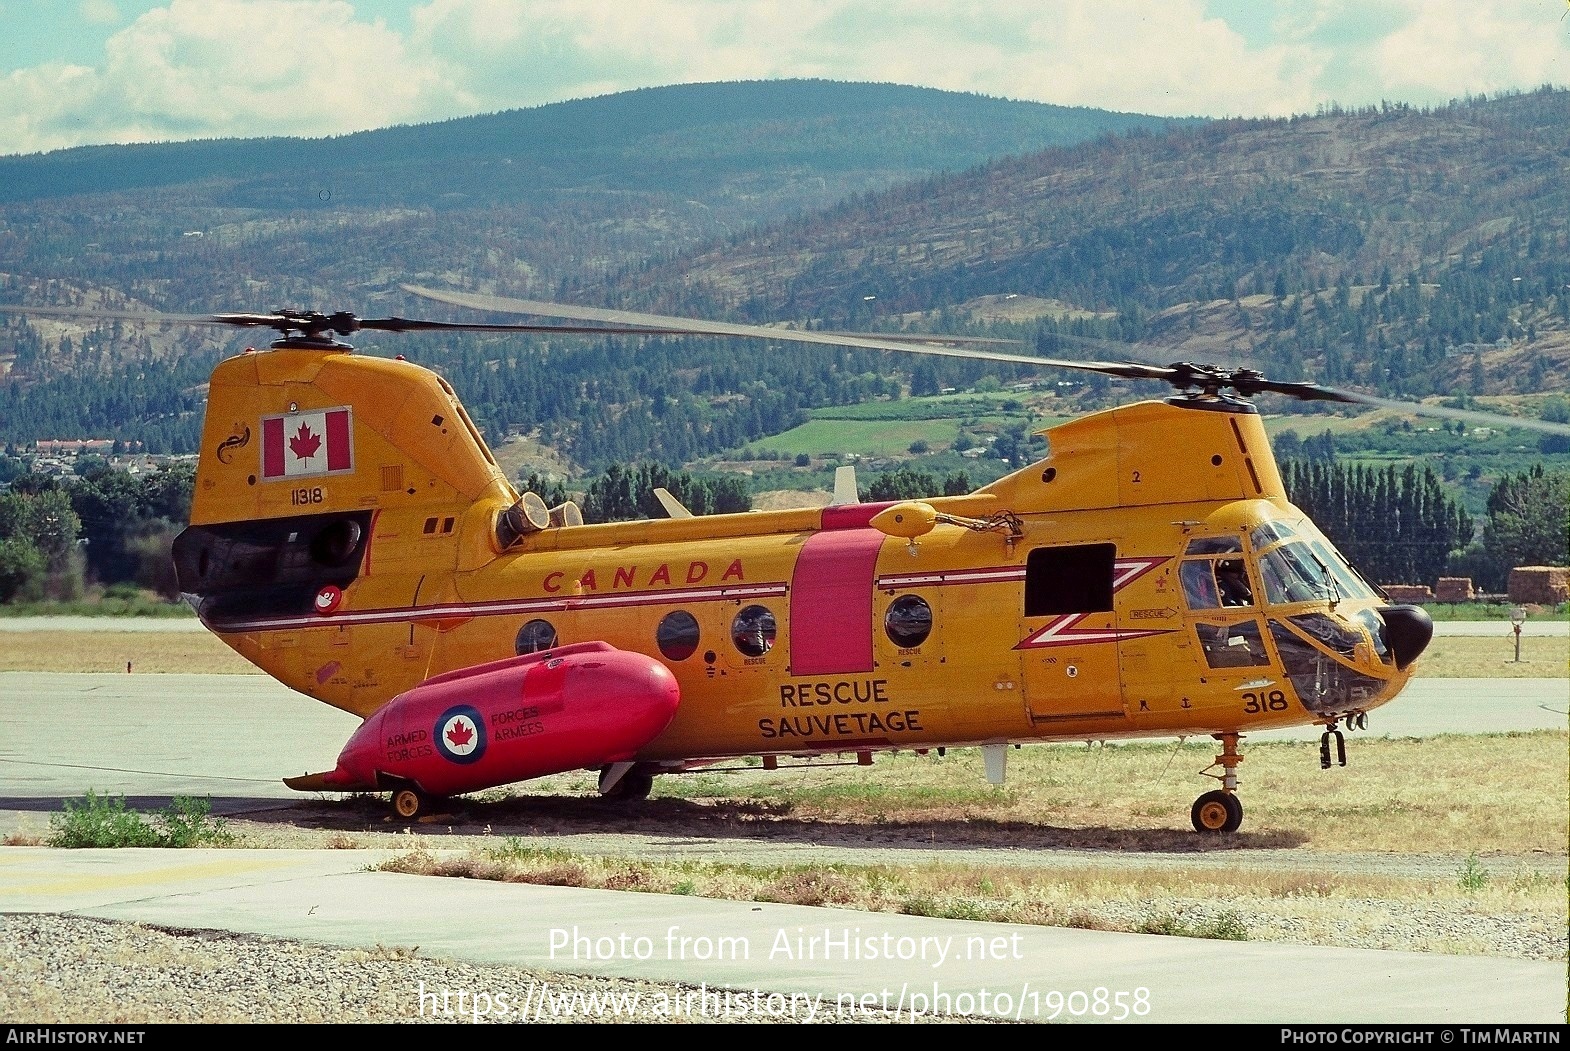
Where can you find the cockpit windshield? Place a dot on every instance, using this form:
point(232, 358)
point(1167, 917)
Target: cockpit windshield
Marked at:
point(1291, 574)
point(1297, 564)
point(1350, 582)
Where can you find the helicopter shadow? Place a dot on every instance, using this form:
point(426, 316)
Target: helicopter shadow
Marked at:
point(563, 817)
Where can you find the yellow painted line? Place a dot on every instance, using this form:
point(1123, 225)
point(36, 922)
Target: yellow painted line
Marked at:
point(69, 884)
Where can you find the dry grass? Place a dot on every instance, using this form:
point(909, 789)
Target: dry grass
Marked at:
point(109, 651)
point(1464, 657)
point(155, 652)
point(1329, 907)
point(1498, 793)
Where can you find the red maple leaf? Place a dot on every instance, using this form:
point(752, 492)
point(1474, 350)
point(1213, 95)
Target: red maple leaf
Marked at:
point(304, 443)
point(460, 734)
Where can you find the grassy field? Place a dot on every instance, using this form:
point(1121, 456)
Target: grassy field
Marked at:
point(156, 652)
point(862, 437)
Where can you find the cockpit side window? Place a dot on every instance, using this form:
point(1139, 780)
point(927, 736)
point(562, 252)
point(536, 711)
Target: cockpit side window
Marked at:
point(1232, 645)
point(1199, 584)
point(1214, 583)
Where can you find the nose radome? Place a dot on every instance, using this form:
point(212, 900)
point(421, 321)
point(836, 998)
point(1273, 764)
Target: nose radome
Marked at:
point(1408, 630)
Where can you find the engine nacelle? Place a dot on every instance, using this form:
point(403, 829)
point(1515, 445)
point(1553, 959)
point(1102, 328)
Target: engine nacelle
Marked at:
point(570, 708)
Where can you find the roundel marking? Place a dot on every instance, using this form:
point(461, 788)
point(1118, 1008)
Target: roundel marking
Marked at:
point(460, 734)
point(328, 599)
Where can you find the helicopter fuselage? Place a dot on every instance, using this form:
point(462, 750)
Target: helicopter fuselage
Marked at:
point(1148, 577)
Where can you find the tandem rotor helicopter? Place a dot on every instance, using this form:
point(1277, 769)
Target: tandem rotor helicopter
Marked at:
point(352, 536)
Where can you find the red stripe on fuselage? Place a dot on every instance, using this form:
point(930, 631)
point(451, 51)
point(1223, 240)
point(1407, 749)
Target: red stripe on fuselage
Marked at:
point(272, 447)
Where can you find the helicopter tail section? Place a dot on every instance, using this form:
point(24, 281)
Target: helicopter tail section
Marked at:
point(291, 432)
point(327, 476)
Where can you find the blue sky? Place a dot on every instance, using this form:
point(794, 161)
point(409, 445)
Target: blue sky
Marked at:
point(78, 72)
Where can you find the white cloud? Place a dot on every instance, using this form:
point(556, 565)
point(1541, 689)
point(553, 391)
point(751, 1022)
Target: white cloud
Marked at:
point(1451, 48)
point(314, 67)
point(211, 68)
point(99, 12)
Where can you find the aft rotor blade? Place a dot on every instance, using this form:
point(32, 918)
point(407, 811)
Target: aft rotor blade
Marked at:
point(903, 342)
point(1482, 419)
point(343, 324)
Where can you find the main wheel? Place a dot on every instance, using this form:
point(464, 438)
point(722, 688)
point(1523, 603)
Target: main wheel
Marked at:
point(1217, 812)
point(635, 784)
point(410, 802)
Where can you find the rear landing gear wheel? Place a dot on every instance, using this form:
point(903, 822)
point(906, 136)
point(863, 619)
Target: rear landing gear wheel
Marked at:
point(1217, 812)
point(410, 802)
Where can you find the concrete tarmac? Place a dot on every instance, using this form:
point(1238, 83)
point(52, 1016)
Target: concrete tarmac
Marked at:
point(745, 952)
point(239, 735)
point(231, 737)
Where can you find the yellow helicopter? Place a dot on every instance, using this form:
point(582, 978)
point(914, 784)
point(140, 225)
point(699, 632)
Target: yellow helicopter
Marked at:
point(352, 535)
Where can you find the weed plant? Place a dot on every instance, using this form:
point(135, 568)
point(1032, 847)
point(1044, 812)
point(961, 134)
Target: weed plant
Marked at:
point(106, 821)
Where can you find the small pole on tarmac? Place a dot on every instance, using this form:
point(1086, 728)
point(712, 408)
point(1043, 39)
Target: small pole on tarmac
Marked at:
point(1517, 618)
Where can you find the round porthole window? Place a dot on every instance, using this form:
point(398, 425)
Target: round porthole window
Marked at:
point(535, 636)
point(908, 621)
point(677, 635)
point(753, 631)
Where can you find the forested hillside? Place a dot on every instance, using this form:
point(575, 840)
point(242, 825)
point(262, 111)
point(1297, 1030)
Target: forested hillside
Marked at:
point(1414, 251)
point(1405, 251)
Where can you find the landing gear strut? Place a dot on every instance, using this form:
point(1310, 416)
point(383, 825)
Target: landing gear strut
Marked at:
point(1221, 811)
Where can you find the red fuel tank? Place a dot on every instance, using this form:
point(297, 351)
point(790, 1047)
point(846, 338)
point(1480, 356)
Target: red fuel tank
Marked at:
point(574, 707)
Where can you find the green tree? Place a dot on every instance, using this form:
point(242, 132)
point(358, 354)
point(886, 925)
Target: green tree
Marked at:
point(21, 570)
point(1396, 525)
point(1528, 524)
point(41, 558)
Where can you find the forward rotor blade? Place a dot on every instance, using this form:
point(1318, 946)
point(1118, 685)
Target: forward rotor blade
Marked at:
point(146, 316)
point(342, 323)
point(400, 324)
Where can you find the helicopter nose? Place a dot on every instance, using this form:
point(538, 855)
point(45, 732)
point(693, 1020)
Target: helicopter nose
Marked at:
point(1408, 630)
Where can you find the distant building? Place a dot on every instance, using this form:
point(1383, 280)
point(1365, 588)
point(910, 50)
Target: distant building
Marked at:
point(74, 446)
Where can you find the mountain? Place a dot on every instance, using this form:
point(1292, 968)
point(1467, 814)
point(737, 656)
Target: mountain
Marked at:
point(1414, 251)
point(1398, 247)
point(534, 195)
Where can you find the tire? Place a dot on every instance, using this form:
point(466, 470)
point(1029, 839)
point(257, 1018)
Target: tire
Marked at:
point(635, 784)
point(409, 802)
point(1217, 812)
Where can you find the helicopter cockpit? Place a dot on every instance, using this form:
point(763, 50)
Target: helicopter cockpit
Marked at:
point(1284, 596)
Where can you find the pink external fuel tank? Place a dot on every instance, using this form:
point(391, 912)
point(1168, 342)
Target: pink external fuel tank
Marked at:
point(570, 708)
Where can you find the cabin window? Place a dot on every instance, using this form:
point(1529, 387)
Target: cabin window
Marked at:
point(677, 635)
point(1232, 645)
point(908, 621)
point(535, 636)
point(1075, 579)
point(753, 631)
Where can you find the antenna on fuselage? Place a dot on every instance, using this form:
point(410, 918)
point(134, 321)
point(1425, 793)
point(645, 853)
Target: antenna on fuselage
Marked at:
point(673, 506)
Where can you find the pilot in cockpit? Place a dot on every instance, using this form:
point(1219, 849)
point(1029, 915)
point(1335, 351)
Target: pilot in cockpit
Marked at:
point(1233, 583)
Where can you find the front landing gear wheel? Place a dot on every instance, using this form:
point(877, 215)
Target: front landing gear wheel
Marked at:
point(410, 802)
point(1217, 812)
